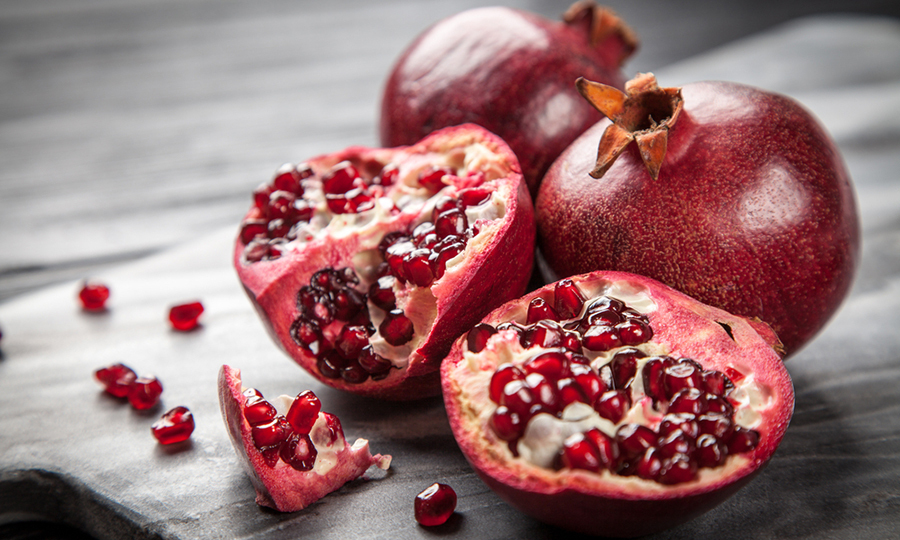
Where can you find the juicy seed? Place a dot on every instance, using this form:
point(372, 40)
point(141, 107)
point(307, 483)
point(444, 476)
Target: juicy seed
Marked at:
point(303, 412)
point(580, 453)
point(259, 411)
point(538, 310)
point(435, 505)
point(477, 338)
point(145, 393)
point(505, 374)
point(175, 426)
point(568, 299)
point(613, 405)
point(507, 425)
point(93, 296)
point(743, 440)
point(396, 328)
point(184, 317)
point(299, 452)
point(117, 379)
point(270, 434)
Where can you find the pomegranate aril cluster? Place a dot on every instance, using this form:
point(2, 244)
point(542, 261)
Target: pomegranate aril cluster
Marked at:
point(332, 300)
point(287, 437)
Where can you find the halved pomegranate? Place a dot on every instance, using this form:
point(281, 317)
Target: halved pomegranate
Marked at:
point(610, 404)
point(366, 264)
point(734, 195)
point(510, 71)
point(294, 453)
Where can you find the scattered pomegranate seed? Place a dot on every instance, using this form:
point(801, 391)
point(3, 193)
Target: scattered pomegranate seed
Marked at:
point(93, 296)
point(145, 392)
point(185, 317)
point(435, 505)
point(174, 426)
point(117, 379)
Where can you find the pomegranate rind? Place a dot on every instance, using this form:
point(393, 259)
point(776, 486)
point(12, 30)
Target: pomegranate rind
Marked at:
point(496, 267)
point(282, 487)
point(606, 504)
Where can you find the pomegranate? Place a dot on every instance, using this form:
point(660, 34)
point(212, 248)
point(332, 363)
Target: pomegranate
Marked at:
point(731, 194)
point(435, 505)
point(93, 296)
point(295, 454)
point(185, 317)
point(382, 257)
point(175, 426)
point(611, 404)
point(479, 66)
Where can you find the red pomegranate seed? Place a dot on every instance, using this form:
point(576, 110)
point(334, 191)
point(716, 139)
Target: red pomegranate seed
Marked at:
point(686, 423)
point(591, 384)
point(358, 200)
point(417, 267)
point(653, 378)
point(348, 303)
point(422, 232)
point(688, 400)
point(396, 328)
point(675, 443)
point(518, 397)
point(716, 383)
point(506, 424)
point(446, 252)
point(551, 364)
point(145, 392)
point(478, 337)
point(606, 303)
point(606, 317)
point(607, 449)
point(635, 439)
point(710, 452)
point(350, 341)
point(624, 367)
point(443, 204)
point(432, 178)
point(388, 176)
point(335, 430)
point(261, 196)
point(719, 426)
point(538, 310)
point(185, 317)
point(303, 412)
point(287, 178)
point(381, 293)
point(677, 470)
point(278, 228)
point(340, 178)
point(578, 452)
point(354, 373)
point(281, 205)
point(546, 334)
point(601, 338)
point(650, 465)
point(435, 505)
point(93, 296)
point(634, 332)
point(253, 228)
point(716, 404)
point(680, 375)
point(613, 405)
point(569, 392)
point(307, 334)
point(394, 256)
point(475, 196)
point(258, 411)
point(451, 223)
point(544, 392)
point(174, 426)
point(270, 434)
point(571, 341)
point(117, 379)
point(567, 299)
point(373, 363)
point(505, 373)
point(743, 440)
point(299, 452)
point(331, 364)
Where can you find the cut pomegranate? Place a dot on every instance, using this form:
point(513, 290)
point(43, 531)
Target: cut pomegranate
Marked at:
point(144, 392)
point(93, 296)
point(175, 426)
point(435, 505)
point(369, 295)
point(185, 317)
point(294, 457)
point(620, 439)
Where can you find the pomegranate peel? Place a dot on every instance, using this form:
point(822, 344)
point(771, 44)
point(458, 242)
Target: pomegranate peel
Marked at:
point(642, 471)
point(284, 486)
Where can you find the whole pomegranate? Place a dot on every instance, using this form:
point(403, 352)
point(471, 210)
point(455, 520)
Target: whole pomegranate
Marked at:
point(613, 405)
point(293, 452)
point(366, 264)
point(731, 194)
point(509, 71)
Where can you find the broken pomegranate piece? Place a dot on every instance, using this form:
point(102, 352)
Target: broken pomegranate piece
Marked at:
point(293, 452)
point(371, 263)
point(656, 409)
point(185, 317)
point(93, 296)
point(175, 426)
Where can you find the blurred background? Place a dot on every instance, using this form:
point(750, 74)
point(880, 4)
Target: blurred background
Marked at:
point(129, 126)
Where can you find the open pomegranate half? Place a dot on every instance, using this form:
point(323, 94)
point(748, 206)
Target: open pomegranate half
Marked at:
point(294, 453)
point(610, 404)
point(366, 264)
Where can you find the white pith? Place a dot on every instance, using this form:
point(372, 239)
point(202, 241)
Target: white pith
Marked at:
point(544, 435)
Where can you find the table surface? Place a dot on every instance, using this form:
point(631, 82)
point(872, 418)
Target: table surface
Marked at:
point(131, 135)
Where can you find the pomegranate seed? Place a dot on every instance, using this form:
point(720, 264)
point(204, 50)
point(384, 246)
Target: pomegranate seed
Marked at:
point(394, 256)
point(686, 423)
point(337, 203)
point(505, 373)
point(650, 465)
point(396, 328)
point(716, 383)
point(606, 317)
point(606, 303)
point(351, 341)
point(551, 364)
point(710, 452)
point(546, 334)
point(281, 205)
point(358, 201)
point(579, 452)
point(331, 364)
point(435, 505)
point(451, 223)
point(348, 303)
point(544, 392)
point(117, 379)
point(261, 196)
point(475, 196)
point(677, 469)
point(354, 373)
point(373, 363)
point(600, 338)
point(388, 175)
point(287, 178)
point(270, 434)
point(184, 316)
point(333, 425)
point(421, 232)
point(432, 178)
point(634, 439)
point(278, 228)
point(307, 334)
point(634, 332)
point(653, 378)
point(518, 397)
point(624, 367)
point(145, 393)
point(688, 400)
point(340, 178)
point(715, 404)
point(299, 452)
point(675, 443)
point(443, 204)
point(743, 440)
point(571, 341)
point(174, 426)
point(444, 254)
point(538, 310)
point(381, 293)
point(253, 228)
point(93, 296)
point(680, 375)
point(718, 425)
point(417, 267)
point(567, 299)
point(506, 424)
point(591, 384)
point(569, 392)
point(478, 337)
point(303, 412)
point(607, 449)
point(259, 411)
point(613, 405)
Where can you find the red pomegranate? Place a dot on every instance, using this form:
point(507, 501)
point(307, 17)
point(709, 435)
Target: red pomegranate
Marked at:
point(294, 453)
point(480, 66)
point(366, 264)
point(610, 404)
point(731, 194)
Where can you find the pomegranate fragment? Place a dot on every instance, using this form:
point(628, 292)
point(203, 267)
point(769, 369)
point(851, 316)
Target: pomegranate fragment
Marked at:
point(175, 426)
point(93, 296)
point(435, 505)
point(185, 317)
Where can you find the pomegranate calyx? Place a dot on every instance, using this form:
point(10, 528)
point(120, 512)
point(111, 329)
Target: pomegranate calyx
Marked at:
point(608, 32)
point(643, 113)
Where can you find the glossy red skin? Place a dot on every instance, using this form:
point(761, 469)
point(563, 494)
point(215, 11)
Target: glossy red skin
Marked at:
point(753, 211)
point(585, 502)
point(480, 66)
point(500, 272)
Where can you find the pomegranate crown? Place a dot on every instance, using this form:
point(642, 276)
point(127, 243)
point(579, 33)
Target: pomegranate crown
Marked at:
point(643, 113)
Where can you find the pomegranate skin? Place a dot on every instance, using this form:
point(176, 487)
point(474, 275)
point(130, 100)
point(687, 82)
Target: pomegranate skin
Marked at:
point(604, 504)
point(479, 66)
point(753, 210)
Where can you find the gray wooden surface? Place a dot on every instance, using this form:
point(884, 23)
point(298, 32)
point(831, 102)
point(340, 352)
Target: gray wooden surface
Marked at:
point(131, 135)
